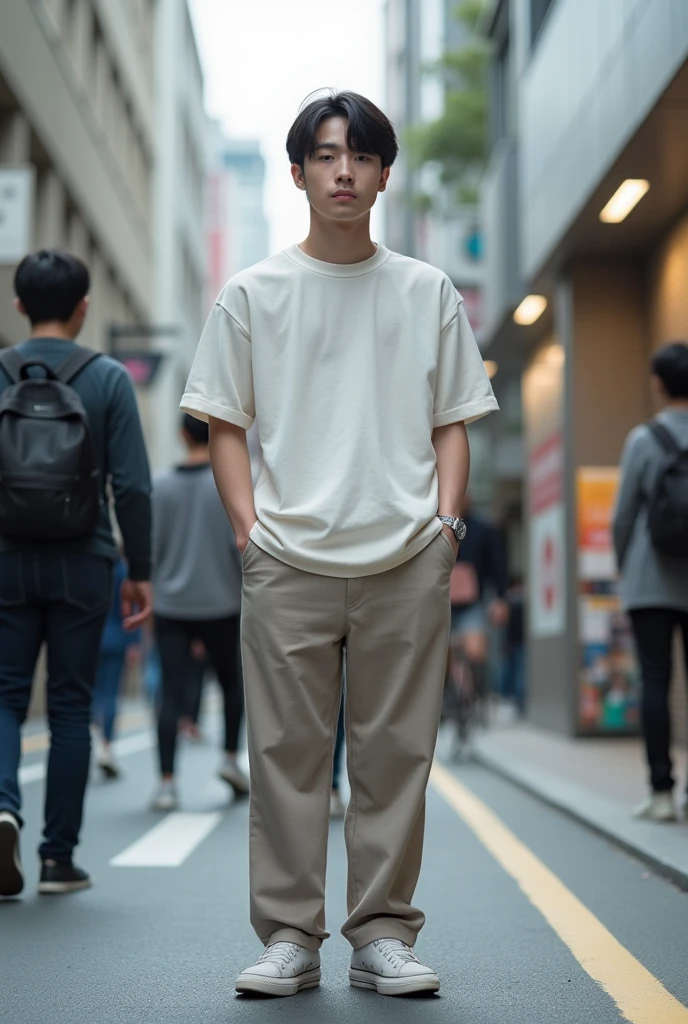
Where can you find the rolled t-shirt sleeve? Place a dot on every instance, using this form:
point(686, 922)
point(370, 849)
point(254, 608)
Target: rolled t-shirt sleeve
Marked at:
point(220, 384)
point(463, 392)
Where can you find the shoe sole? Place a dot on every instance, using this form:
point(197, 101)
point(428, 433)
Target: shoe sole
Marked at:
point(239, 792)
point(257, 985)
point(11, 876)
point(393, 986)
point(60, 888)
point(109, 771)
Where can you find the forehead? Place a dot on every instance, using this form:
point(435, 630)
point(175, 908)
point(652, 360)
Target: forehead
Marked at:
point(333, 130)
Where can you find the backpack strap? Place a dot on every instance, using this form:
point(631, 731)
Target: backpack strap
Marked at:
point(665, 438)
point(12, 363)
point(74, 363)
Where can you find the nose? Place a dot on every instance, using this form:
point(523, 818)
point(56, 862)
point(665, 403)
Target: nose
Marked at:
point(345, 171)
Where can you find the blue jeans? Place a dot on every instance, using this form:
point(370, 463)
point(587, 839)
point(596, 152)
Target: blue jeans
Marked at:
point(108, 678)
point(62, 601)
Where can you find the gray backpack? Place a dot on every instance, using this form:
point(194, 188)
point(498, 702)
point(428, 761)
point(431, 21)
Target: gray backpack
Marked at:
point(49, 486)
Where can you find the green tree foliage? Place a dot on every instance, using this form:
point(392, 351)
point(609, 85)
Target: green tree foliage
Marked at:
point(457, 141)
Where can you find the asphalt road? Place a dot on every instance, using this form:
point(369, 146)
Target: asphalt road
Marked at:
point(531, 919)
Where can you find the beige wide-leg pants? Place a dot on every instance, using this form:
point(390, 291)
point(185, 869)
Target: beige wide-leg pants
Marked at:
point(396, 627)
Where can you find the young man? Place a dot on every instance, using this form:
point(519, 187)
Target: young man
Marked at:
point(197, 577)
point(654, 585)
point(59, 591)
point(361, 370)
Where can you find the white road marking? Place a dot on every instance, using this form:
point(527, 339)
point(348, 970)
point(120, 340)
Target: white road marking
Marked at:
point(169, 843)
point(123, 748)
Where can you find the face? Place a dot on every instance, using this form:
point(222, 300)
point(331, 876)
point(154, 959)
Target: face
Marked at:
point(341, 185)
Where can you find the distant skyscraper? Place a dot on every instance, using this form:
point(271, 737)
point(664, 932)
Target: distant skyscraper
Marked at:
point(237, 228)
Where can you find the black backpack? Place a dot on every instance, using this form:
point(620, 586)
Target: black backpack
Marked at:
point(49, 487)
point(668, 506)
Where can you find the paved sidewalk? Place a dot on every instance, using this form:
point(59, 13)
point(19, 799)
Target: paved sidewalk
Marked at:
point(597, 782)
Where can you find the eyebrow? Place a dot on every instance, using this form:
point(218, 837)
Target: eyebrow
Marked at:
point(327, 145)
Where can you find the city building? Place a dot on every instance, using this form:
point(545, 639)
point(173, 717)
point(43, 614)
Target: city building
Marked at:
point(77, 148)
point(417, 34)
point(179, 305)
point(237, 225)
point(589, 104)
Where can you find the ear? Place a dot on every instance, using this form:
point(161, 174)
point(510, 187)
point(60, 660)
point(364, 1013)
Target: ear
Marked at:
point(19, 306)
point(82, 308)
point(384, 178)
point(299, 177)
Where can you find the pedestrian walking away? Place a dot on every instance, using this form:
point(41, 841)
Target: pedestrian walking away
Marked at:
point(651, 541)
point(197, 577)
point(69, 427)
point(361, 370)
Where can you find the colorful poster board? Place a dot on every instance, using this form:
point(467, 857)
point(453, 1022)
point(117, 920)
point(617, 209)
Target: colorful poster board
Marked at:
point(608, 681)
point(547, 539)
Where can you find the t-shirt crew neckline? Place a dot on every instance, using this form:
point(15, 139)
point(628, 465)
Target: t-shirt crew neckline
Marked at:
point(339, 269)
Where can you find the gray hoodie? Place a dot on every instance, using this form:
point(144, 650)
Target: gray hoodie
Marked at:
point(648, 579)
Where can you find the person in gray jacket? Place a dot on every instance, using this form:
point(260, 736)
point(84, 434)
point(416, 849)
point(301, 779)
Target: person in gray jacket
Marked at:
point(654, 587)
point(197, 596)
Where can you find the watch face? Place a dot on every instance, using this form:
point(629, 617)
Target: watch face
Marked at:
point(460, 530)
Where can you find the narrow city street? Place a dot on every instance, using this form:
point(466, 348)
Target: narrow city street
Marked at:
point(531, 917)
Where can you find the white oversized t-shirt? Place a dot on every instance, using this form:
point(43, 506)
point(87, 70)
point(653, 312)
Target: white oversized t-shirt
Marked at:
point(347, 368)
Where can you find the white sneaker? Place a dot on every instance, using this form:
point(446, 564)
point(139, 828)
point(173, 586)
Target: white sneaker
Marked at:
point(166, 798)
point(337, 805)
point(283, 970)
point(231, 773)
point(106, 762)
point(657, 807)
point(392, 968)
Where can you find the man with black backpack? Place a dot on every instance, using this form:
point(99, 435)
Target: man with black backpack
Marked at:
point(651, 540)
point(69, 427)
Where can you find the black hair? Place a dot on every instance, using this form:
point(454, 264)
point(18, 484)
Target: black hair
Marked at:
point(197, 430)
point(50, 284)
point(670, 364)
point(370, 131)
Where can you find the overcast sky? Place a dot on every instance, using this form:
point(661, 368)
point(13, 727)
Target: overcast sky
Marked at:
point(262, 58)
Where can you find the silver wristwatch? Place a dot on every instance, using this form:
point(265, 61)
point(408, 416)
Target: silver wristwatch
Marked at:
point(457, 526)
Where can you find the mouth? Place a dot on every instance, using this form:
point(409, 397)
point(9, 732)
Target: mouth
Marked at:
point(344, 195)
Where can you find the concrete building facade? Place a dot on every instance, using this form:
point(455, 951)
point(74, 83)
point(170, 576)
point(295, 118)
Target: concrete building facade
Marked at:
point(77, 105)
point(585, 97)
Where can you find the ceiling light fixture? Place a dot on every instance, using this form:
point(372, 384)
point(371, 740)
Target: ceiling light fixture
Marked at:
point(530, 310)
point(491, 367)
point(626, 197)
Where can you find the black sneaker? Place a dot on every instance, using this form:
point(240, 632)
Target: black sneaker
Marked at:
point(62, 878)
point(11, 875)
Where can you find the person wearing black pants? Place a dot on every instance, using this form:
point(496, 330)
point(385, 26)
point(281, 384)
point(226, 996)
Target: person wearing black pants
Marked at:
point(197, 596)
point(653, 584)
point(220, 638)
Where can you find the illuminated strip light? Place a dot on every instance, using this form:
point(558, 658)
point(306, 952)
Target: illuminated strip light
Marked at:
point(530, 310)
point(626, 197)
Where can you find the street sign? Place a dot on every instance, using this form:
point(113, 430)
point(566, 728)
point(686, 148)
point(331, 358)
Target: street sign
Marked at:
point(142, 366)
point(16, 212)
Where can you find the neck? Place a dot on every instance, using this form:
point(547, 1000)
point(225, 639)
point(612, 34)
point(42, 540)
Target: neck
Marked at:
point(338, 243)
point(53, 329)
point(677, 405)
point(197, 456)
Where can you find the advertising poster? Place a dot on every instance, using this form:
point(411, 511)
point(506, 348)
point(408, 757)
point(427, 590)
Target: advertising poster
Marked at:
point(608, 689)
point(547, 540)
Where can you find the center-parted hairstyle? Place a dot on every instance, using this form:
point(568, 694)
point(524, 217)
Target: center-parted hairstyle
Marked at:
point(370, 131)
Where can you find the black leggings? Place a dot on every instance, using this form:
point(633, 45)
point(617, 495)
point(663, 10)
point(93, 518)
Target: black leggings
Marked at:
point(654, 635)
point(221, 640)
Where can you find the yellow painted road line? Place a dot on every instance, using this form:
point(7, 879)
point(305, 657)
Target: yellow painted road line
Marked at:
point(640, 997)
point(41, 740)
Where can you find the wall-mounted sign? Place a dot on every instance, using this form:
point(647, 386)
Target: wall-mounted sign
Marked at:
point(547, 539)
point(142, 366)
point(16, 212)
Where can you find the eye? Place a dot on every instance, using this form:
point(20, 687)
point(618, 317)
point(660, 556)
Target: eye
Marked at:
point(326, 156)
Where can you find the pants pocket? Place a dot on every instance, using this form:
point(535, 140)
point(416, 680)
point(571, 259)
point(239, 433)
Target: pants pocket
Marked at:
point(12, 588)
point(87, 581)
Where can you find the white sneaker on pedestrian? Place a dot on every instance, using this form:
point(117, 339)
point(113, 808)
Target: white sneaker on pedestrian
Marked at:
point(337, 805)
point(231, 773)
point(166, 798)
point(391, 968)
point(283, 970)
point(657, 807)
point(105, 760)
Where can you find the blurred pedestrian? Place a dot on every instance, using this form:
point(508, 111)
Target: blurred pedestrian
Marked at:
point(69, 426)
point(361, 369)
point(651, 541)
point(197, 576)
point(116, 648)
